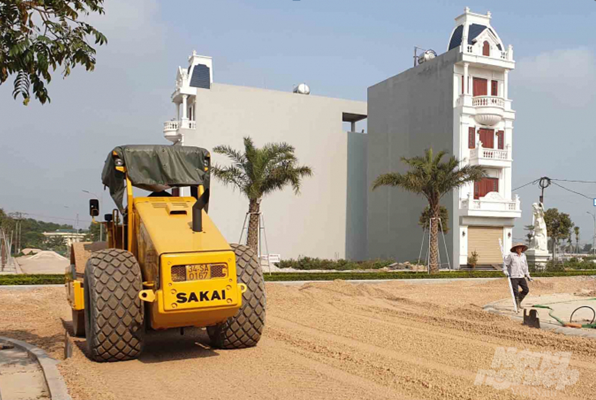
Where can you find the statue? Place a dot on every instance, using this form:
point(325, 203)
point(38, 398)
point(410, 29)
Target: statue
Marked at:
point(539, 239)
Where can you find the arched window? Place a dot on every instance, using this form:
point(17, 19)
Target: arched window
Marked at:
point(486, 49)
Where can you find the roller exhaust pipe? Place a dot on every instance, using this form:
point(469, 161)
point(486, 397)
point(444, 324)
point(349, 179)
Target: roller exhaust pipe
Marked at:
point(197, 211)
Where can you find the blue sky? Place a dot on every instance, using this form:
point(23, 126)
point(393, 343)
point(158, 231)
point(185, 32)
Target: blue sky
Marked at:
point(48, 154)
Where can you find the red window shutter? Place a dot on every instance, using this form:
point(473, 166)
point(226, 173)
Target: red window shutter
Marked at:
point(494, 88)
point(487, 137)
point(486, 49)
point(501, 139)
point(485, 186)
point(480, 87)
point(493, 185)
point(471, 137)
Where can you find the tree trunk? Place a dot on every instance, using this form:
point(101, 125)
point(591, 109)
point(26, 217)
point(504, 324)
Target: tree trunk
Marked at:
point(434, 239)
point(252, 238)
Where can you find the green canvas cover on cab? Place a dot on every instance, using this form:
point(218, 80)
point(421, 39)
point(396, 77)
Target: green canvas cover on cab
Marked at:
point(156, 168)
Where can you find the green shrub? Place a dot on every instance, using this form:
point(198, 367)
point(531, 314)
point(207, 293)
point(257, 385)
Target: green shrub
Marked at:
point(39, 279)
point(360, 275)
point(308, 263)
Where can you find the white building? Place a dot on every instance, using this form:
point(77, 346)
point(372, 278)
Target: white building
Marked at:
point(456, 102)
point(69, 236)
point(326, 219)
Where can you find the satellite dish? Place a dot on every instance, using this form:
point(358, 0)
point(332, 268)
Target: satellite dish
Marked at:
point(302, 89)
point(427, 55)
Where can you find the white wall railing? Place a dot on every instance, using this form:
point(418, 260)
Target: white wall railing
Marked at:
point(506, 55)
point(490, 154)
point(491, 205)
point(170, 125)
point(488, 101)
point(174, 125)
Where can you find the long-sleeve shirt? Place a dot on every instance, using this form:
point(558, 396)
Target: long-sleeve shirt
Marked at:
point(516, 265)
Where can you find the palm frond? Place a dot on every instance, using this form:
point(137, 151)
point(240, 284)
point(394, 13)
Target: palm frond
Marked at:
point(230, 176)
point(232, 154)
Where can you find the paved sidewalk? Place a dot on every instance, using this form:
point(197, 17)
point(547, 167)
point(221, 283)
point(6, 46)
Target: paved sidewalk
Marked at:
point(21, 378)
point(562, 305)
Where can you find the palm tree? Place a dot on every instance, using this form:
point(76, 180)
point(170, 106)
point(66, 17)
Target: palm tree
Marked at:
point(258, 172)
point(576, 231)
point(432, 178)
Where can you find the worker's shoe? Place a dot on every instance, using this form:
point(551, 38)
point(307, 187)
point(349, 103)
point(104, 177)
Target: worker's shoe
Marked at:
point(519, 306)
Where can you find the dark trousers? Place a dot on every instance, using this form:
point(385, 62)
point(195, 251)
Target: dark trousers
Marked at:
point(516, 283)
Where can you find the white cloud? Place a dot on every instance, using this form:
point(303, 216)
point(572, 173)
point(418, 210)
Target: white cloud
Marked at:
point(553, 95)
point(563, 75)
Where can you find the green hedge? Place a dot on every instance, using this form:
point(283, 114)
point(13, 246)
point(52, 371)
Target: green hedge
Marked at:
point(40, 279)
point(308, 263)
point(329, 276)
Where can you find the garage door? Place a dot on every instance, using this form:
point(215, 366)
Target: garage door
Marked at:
point(485, 241)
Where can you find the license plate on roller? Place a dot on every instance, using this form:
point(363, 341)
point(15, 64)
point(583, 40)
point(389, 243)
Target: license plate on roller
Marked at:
point(197, 272)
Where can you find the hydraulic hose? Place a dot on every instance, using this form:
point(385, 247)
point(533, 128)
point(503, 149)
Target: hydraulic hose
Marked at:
point(570, 324)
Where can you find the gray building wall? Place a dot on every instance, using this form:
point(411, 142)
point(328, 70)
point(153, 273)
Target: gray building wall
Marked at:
point(357, 197)
point(408, 113)
point(313, 223)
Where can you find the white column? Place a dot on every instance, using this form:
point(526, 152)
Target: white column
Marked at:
point(466, 65)
point(184, 107)
point(506, 84)
point(353, 126)
point(177, 111)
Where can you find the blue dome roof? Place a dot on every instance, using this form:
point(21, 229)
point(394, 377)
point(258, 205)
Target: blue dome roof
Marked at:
point(473, 32)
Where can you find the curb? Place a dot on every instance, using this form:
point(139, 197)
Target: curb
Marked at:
point(54, 381)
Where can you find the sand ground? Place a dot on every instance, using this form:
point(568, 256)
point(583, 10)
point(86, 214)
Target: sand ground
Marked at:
point(328, 340)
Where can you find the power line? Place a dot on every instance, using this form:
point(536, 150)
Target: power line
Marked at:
point(573, 191)
point(573, 181)
point(529, 183)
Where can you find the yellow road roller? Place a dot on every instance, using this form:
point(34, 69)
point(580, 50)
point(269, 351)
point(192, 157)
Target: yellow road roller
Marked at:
point(164, 264)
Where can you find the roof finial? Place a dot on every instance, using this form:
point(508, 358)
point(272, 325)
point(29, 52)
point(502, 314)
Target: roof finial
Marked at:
point(467, 10)
point(488, 14)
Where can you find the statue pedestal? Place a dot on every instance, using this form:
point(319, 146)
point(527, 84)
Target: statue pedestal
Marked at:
point(538, 257)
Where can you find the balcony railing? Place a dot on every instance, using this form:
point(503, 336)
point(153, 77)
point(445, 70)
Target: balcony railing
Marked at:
point(171, 129)
point(491, 202)
point(175, 125)
point(490, 154)
point(506, 55)
point(170, 125)
point(488, 101)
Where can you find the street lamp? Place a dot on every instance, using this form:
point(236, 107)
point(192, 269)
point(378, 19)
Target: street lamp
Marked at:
point(594, 236)
point(100, 202)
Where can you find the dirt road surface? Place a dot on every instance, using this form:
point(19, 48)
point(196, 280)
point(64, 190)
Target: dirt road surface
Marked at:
point(328, 340)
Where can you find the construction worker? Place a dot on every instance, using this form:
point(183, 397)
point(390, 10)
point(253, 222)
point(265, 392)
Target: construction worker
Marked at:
point(515, 267)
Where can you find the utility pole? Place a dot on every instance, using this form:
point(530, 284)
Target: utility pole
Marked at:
point(543, 183)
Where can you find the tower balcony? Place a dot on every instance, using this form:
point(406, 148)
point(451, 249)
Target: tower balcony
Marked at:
point(499, 158)
point(489, 109)
point(491, 205)
point(172, 129)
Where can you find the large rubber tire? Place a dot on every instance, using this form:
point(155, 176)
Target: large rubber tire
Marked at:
point(245, 328)
point(78, 323)
point(113, 311)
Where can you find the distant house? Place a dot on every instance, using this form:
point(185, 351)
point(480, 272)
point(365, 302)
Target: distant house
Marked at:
point(327, 219)
point(70, 235)
point(459, 102)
